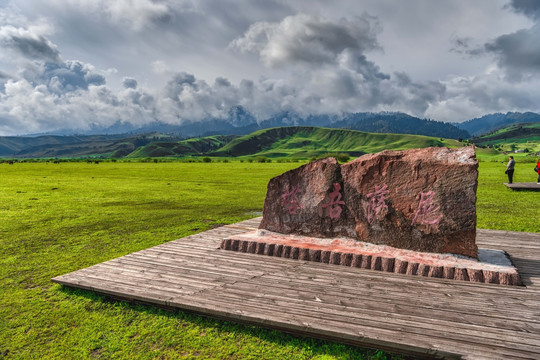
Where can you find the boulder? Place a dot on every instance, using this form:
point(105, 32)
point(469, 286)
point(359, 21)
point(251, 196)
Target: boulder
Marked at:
point(308, 201)
point(421, 199)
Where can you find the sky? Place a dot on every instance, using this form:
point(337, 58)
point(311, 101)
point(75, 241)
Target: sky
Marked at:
point(82, 64)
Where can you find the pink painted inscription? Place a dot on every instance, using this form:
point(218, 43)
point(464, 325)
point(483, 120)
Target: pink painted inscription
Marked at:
point(335, 202)
point(376, 205)
point(289, 199)
point(427, 212)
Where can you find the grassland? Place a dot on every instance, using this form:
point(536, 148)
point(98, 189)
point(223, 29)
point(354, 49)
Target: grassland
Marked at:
point(58, 218)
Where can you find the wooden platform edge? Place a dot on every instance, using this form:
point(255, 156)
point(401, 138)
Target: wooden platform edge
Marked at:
point(189, 303)
point(523, 186)
point(304, 330)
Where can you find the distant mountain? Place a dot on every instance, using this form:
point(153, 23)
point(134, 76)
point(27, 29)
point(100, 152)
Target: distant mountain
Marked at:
point(399, 123)
point(492, 122)
point(306, 142)
point(241, 122)
point(75, 145)
point(385, 122)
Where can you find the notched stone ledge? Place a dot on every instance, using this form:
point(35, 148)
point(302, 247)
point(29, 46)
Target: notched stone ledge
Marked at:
point(494, 266)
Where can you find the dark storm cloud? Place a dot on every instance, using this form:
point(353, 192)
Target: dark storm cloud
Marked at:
point(28, 43)
point(3, 78)
point(222, 82)
point(518, 53)
point(142, 99)
point(64, 77)
point(359, 63)
point(178, 84)
point(529, 8)
point(129, 83)
point(420, 95)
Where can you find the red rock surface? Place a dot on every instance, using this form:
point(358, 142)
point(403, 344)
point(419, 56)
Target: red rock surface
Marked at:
point(422, 199)
point(299, 202)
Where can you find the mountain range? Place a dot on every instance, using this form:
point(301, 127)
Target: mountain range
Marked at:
point(492, 122)
point(241, 122)
point(198, 138)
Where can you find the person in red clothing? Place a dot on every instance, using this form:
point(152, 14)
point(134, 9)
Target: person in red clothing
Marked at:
point(538, 168)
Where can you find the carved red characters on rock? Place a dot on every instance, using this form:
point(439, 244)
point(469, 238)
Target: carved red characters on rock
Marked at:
point(289, 199)
point(376, 206)
point(335, 201)
point(427, 212)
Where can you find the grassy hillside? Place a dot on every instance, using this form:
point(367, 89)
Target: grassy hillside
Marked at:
point(513, 137)
point(305, 142)
point(194, 146)
point(296, 142)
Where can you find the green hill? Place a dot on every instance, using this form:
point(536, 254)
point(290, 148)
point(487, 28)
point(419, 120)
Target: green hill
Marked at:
point(524, 137)
point(194, 146)
point(296, 142)
point(305, 142)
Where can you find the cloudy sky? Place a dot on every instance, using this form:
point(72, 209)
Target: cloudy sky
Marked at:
point(79, 64)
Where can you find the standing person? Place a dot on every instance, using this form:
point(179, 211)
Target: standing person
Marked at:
point(510, 169)
point(538, 169)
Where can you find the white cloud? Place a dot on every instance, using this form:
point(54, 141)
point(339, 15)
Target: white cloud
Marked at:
point(474, 96)
point(146, 60)
point(308, 39)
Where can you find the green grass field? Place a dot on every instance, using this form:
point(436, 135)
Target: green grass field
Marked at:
point(57, 218)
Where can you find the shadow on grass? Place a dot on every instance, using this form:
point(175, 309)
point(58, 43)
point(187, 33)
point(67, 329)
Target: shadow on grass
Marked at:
point(318, 347)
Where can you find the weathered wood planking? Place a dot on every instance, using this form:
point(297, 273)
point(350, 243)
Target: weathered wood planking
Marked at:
point(523, 186)
point(426, 317)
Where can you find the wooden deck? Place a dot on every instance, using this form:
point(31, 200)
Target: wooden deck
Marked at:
point(425, 317)
point(524, 186)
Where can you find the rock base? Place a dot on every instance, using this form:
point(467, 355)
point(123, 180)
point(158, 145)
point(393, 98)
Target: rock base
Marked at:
point(492, 266)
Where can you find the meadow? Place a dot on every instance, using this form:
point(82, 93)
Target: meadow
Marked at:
point(57, 218)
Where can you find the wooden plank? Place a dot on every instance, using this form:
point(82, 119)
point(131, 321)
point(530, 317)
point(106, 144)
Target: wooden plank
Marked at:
point(524, 186)
point(361, 305)
point(395, 312)
point(374, 321)
point(325, 327)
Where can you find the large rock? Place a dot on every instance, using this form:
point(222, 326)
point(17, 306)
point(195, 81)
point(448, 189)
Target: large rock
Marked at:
point(421, 200)
point(299, 202)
